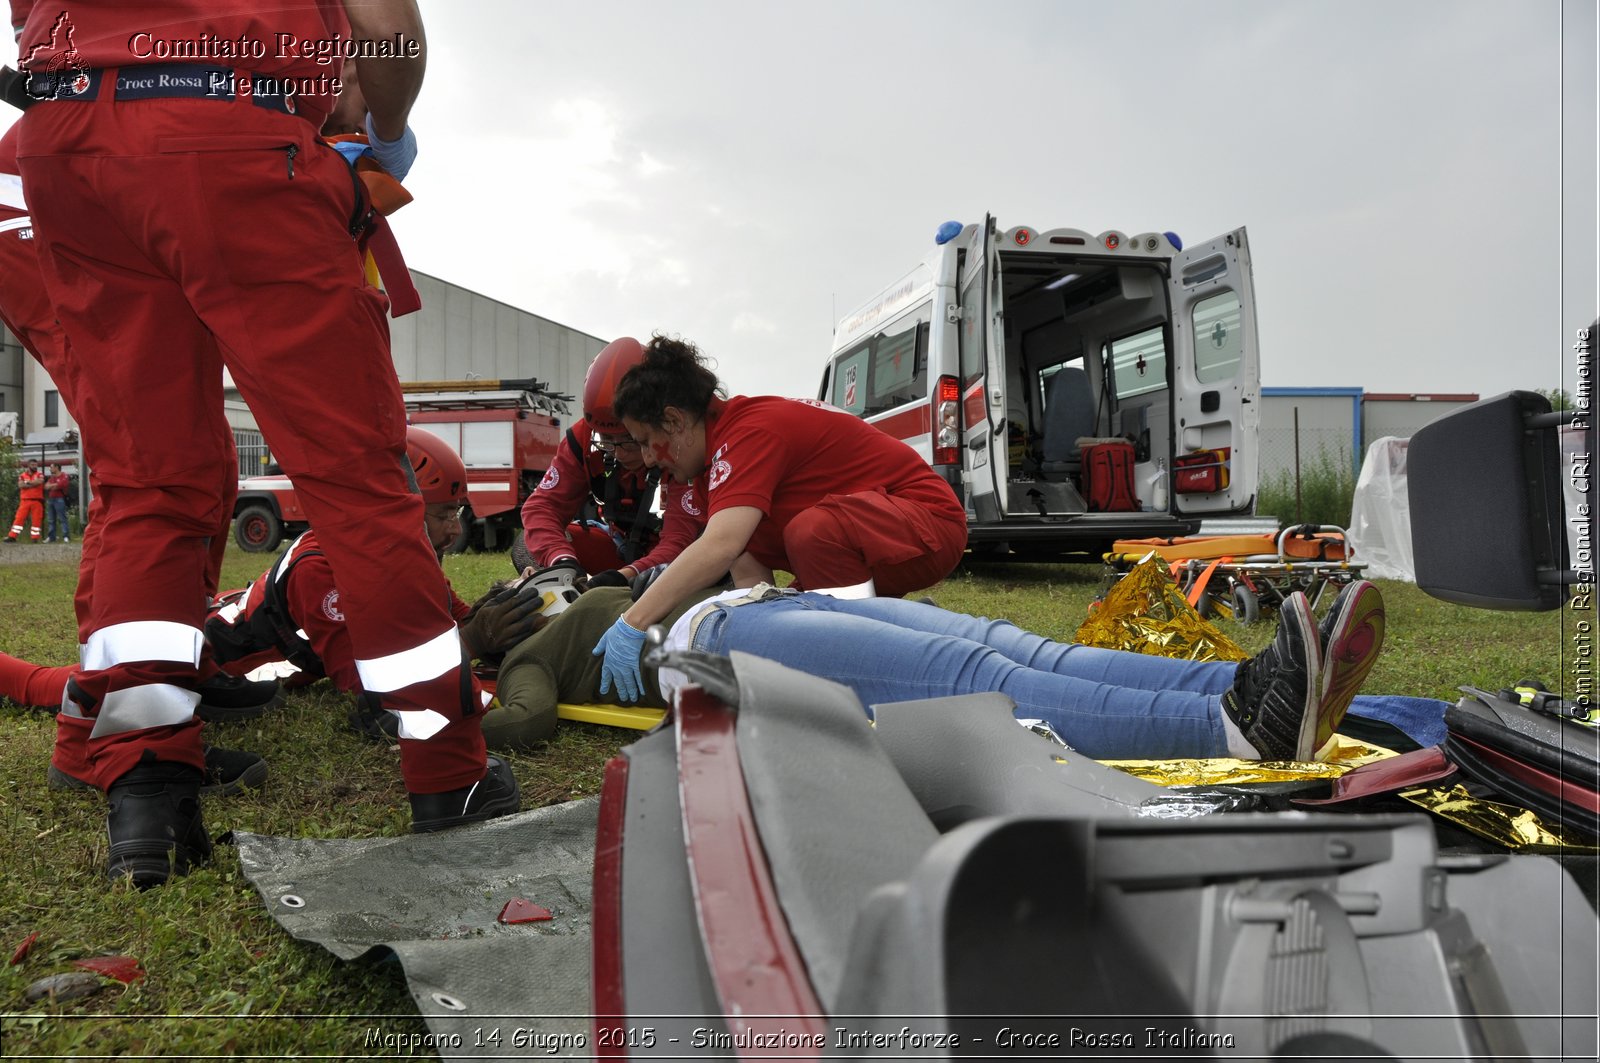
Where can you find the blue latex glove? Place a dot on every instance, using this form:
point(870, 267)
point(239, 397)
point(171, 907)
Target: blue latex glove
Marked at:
point(396, 156)
point(621, 646)
point(351, 150)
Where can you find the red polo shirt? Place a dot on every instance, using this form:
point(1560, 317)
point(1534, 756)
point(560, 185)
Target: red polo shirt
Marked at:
point(783, 456)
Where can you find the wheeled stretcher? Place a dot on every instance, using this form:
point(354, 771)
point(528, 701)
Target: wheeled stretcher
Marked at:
point(1243, 576)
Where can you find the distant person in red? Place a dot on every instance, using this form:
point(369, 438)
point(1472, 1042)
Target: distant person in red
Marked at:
point(57, 487)
point(592, 510)
point(789, 484)
point(30, 502)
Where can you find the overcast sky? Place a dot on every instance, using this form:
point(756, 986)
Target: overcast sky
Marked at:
point(744, 173)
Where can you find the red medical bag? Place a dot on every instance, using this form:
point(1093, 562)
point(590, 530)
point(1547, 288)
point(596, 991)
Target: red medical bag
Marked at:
point(1201, 472)
point(1108, 477)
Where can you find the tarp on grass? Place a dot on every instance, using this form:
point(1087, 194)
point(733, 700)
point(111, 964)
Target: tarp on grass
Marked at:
point(434, 901)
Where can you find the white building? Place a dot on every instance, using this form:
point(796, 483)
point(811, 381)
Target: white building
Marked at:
point(457, 335)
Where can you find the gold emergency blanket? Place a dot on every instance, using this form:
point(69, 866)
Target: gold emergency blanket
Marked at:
point(1516, 828)
point(1344, 755)
point(1145, 612)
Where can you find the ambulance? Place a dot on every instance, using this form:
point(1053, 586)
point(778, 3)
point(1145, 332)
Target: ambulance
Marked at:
point(1073, 388)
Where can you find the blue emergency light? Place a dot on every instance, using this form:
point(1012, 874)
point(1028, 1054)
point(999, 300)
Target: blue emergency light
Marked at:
point(1172, 238)
point(947, 232)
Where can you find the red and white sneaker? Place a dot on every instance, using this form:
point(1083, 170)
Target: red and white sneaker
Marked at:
point(1352, 637)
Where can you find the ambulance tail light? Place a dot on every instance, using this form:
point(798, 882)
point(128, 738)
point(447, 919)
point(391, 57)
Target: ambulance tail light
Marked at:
point(947, 423)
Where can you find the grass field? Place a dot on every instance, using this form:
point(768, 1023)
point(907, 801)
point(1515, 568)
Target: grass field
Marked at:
point(222, 979)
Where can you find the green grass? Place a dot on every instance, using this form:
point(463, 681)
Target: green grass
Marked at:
point(223, 979)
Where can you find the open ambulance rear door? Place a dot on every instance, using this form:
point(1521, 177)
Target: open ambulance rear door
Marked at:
point(1216, 379)
point(983, 377)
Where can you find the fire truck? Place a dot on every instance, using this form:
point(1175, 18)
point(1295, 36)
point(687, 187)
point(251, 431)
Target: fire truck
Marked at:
point(506, 432)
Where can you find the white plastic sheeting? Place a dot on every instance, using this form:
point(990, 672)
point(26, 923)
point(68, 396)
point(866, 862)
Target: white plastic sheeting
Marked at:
point(1380, 515)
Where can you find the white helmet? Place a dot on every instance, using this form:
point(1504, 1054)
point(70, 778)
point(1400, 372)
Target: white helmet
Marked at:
point(554, 586)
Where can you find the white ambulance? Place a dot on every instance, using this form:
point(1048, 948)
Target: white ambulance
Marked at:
point(1073, 388)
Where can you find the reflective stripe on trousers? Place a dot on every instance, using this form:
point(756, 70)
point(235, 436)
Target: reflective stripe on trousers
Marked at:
point(417, 665)
point(147, 705)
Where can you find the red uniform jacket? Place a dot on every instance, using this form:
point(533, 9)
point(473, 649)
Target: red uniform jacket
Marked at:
point(783, 456)
point(572, 480)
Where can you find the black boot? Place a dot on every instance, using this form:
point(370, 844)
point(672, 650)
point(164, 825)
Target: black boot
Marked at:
point(227, 772)
point(496, 794)
point(154, 822)
point(233, 697)
point(371, 720)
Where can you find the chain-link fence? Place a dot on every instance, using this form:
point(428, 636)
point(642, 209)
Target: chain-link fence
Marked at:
point(1281, 453)
point(1313, 483)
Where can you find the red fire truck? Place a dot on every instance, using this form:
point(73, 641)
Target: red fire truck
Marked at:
point(506, 432)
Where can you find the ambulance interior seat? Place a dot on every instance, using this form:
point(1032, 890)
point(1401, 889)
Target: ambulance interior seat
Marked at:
point(1068, 415)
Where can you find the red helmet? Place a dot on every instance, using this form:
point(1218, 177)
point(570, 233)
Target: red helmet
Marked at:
point(600, 383)
point(440, 474)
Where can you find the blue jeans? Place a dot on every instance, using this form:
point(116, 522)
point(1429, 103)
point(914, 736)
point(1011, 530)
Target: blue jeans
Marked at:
point(1104, 703)
point(55, 518)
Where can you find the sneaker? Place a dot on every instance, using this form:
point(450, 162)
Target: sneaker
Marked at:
point(232, 697)
point(1275, 694)
point(496, 794)
point(227, 772)
point(1351, 636)
point(154, 823)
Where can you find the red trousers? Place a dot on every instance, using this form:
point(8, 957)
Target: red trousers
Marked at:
point(897, 543)
point(29, 511)
point(180, 237)
point(25, 309)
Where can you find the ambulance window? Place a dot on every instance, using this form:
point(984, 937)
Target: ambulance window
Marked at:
point(850, 381)
point(1139, 363)
point(970, 338)
point(1218, 337)
point(900, 363)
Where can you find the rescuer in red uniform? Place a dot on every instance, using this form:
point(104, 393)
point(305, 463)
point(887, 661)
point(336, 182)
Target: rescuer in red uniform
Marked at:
point(599, 468)
point(790, 484)
point(190, 220)
point(30, 501)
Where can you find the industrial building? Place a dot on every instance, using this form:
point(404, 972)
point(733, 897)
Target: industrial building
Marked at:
point(457, 335)
point(1306, 427)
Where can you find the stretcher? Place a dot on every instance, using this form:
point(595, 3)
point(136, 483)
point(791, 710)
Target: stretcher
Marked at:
point(1244, 576)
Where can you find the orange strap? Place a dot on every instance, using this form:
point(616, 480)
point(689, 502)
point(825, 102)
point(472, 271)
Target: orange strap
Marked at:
point(1199, 587)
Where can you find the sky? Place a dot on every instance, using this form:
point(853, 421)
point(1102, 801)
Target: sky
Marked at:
point(743, 174)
